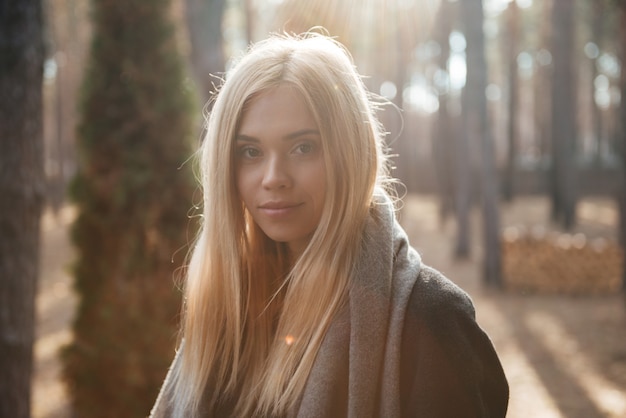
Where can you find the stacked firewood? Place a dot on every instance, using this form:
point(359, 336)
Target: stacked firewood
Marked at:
point(538, 261)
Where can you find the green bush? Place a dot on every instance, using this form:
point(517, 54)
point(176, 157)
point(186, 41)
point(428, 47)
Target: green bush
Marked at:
point(133, 193)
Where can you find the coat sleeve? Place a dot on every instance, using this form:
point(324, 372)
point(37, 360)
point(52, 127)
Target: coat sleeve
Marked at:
point(449, 365)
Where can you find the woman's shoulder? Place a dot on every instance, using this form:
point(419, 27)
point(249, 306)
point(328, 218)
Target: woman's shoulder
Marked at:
point(434, 296)
point(450, 367)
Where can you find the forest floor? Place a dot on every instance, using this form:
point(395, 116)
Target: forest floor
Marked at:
point(564, 356)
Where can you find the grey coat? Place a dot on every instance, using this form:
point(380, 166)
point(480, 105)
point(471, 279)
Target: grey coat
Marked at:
point(406, 345)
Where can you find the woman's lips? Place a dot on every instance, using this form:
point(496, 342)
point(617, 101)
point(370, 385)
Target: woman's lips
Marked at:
point(278, 209)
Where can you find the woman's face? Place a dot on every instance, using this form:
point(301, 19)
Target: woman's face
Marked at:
point(281, 174)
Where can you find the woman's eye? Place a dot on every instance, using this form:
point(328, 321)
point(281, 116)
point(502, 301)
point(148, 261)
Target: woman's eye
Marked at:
point(305, 148)
point(249, 152)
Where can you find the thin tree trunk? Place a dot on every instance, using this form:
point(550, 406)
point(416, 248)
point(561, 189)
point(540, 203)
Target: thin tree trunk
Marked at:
point(621, 193)
point(398, 76)
point(479, 133)
point(250, 20)
point(21, 196)
point(463, 196)
point(563, 114)
point(463, 172)
point(542, 101)
point(58, 183)
point(596, 115)
point(443, 144)
point(512, 51)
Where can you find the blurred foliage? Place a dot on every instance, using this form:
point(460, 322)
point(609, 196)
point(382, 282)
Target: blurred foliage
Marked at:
point(132, 191)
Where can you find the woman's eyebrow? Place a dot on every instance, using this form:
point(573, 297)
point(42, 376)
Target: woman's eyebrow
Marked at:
point(289, 137)
point(302, 132)
point(246, 138)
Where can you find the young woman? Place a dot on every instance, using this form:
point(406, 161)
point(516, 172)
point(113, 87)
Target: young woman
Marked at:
point(303, 296)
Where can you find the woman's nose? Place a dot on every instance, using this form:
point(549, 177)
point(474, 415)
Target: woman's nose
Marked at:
point(276, 174)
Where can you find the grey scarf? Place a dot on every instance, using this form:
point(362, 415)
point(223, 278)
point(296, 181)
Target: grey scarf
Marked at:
point(356, 372)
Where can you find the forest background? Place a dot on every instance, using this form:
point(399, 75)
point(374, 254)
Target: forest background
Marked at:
point(492, 101)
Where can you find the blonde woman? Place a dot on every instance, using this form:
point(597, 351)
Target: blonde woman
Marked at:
point(303, 297)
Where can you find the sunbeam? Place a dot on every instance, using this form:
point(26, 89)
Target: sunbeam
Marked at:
point(380, 33)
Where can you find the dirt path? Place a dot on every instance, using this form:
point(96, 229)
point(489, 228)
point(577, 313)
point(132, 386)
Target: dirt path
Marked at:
point(563, 356)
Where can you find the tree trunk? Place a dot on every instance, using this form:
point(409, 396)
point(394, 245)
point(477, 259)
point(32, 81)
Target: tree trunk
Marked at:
point(480, 137)
point(511, 53)
point(622, 140)
point(542, 101)
point(204, 21)
point(597, 25)
point(248, 10)
point(463, 172)
point(563, 115)
point(443, 144)
point(398, 75)
point(21, 196)
point(463, 198)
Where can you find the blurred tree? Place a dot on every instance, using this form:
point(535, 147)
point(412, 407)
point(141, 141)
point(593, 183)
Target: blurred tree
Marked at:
point(399, 44)
point(21, 196)
point(248, 11)
point(542, 82)
point(204, 22)
point(443, 135)
point(132, 192)
point(463, 193)
point(597, 35)
point(621, 143)
point(563, 155)
point(511, 54)
point(479, 137)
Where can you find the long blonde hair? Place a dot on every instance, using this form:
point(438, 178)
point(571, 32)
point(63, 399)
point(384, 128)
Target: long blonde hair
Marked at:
point(252, 321)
